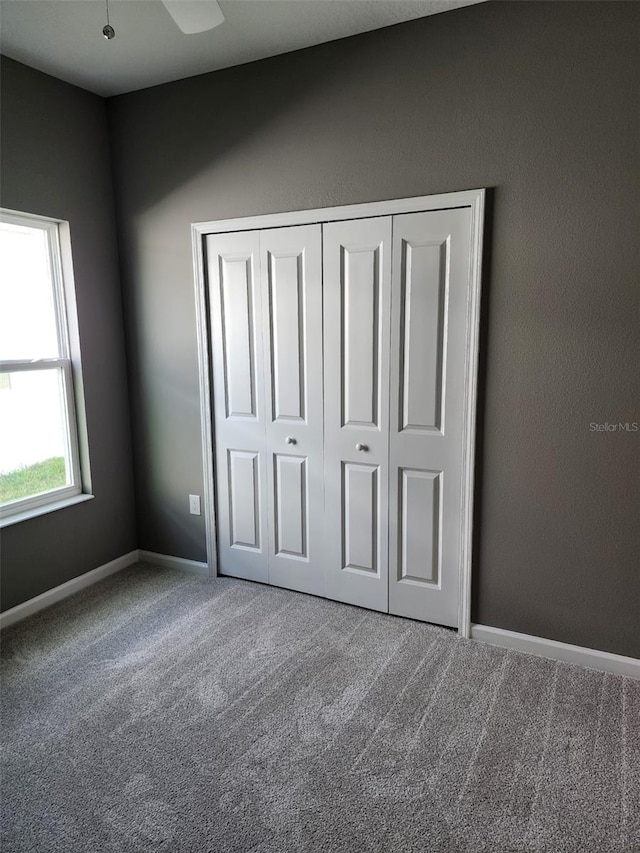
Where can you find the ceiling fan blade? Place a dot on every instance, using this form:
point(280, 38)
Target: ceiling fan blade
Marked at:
point(195, 16)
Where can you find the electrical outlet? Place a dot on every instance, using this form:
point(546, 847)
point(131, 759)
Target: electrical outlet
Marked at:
point(194, 504)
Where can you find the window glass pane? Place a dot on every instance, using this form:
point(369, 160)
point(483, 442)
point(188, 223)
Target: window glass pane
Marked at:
point(33, 434)
point(27, 310)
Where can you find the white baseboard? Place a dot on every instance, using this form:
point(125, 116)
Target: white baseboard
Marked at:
point(167, 562)
point(607, 661)
point(46, 599)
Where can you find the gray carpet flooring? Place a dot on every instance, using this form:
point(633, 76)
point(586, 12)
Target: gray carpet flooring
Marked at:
point(159, 712)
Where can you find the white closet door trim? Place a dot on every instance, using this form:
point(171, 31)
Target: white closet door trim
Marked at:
point(465, 198)
point(206, 411)
point(469, 427)
point(475, 199)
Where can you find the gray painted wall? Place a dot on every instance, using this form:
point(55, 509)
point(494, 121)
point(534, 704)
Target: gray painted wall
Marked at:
point(538, 101)
point(55, 162)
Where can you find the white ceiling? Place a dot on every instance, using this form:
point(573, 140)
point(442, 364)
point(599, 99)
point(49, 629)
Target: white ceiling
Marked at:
point(64, 37)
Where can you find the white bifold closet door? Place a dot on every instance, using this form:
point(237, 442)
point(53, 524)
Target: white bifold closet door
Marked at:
point(265, 310)
point(238, 392)
point(357, 291)
point(339, 369)
point(431, 276)
point(292, 304)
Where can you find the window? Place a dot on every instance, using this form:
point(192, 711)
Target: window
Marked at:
point(39, 456)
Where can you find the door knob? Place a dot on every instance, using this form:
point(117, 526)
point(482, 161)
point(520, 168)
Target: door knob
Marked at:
point(361, 446)
point(290, 439)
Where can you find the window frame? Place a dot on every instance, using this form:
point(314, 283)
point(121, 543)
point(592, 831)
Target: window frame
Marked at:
point(66, 365)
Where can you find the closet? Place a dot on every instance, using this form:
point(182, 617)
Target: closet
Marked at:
point(342, 365)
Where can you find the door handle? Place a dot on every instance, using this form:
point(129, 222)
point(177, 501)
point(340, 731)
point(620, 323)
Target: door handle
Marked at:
point(290, 439)
point(361, 446)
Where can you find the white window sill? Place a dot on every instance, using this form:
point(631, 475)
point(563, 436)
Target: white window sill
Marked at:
point(41, 510)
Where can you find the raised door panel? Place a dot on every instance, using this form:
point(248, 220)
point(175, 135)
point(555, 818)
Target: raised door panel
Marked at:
point(360, 335)
point(360, 503)
point(357, 280)
point(422, 314)
point(286, 300)
point(292, 291)
point(430, 299)
point(236, 320)
point(420, 520)
point(244, 499)
point(291, 497)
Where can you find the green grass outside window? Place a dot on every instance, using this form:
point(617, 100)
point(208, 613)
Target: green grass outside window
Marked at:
point(33, 480)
